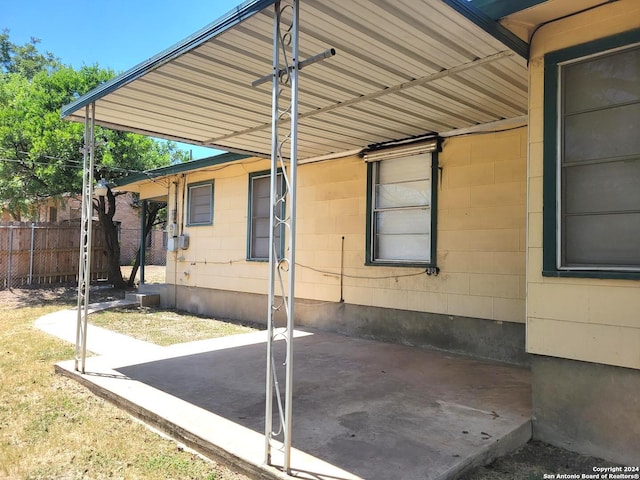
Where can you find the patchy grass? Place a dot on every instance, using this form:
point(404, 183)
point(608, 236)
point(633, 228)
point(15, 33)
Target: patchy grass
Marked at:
point(165, 327)
point(53, 428)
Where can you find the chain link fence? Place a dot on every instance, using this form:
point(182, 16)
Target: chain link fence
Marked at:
point(155, 250)
point(38, 255)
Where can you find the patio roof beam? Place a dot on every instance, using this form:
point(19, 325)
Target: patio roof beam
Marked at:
point(380, 93)
point(488, 127)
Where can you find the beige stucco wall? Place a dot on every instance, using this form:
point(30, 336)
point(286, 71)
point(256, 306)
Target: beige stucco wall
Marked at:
point(481, 234)
point(581, 319)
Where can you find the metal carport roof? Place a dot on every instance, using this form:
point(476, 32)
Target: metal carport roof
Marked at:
point(403, 68)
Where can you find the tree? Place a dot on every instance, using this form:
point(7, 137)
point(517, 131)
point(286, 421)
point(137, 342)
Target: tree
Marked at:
point(155, 215)
point(42, 154)
point(25, 60)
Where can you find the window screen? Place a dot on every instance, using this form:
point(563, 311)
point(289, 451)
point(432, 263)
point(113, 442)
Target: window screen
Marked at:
point(401, 223)
point(600, 162)
point(200, 204)
point(260, 207)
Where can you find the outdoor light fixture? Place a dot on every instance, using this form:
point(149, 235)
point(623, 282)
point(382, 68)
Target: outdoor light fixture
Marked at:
point(100, 190)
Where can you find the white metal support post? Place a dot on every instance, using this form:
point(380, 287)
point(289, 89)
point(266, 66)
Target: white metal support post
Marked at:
point(283, 215)
point(84, 269)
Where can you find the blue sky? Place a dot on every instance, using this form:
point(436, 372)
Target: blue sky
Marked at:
point(117, 34)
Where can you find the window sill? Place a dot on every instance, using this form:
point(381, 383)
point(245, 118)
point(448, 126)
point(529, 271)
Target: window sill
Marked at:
point(604, 274)
point(401, 264)
point(258, 260)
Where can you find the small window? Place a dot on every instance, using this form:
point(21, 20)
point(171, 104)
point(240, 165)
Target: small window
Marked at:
point(200, 204)
point(401, 210)
point(259, 213)
point(53, 214)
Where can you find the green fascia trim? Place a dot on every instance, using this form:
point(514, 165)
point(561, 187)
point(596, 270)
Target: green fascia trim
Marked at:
point(549, 166)
point(595, 46)
point(368, 249)
point(188, 205)
point(435, 178)
point(497, 9)
point(181, 168)
point(234, 17)
point(489, 25)
point(252, 175)
point(550, 161)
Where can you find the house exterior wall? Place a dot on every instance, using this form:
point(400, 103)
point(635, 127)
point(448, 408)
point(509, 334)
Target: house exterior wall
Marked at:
point(584, 332)
point(587, 319)
point(481, 247)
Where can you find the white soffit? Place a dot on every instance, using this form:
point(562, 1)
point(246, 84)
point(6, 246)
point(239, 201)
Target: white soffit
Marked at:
point(402, 68)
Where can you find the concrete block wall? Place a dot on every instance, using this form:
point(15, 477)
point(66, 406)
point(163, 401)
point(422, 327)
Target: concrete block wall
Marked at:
point(588, 319)
point(582, 331)
point(216, 257)
point(481, 235)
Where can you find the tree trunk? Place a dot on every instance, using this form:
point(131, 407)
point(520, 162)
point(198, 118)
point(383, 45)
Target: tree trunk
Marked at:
point(152, 213)
point(106, 208)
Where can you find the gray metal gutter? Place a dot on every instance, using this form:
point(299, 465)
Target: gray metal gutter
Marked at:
point(181, 168)
point(489, 25)
point(234, 17)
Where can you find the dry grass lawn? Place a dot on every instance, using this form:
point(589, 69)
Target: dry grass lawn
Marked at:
point(165, 327)
point(52, 428)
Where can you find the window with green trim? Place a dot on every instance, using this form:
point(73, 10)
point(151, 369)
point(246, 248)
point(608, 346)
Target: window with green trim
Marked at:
point(200, 204)
point(401, 207)
point(592, 159)
point(259, 212)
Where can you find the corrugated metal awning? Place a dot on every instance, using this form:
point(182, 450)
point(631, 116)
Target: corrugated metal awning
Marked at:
point(403, 68)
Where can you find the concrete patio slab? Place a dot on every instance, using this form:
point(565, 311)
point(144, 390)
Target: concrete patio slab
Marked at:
point(362, 409)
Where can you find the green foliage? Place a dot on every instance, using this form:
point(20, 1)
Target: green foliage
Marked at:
point(25, 60)
point(41, 154)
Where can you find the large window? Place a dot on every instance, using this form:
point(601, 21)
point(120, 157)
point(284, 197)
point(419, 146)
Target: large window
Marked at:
point(200, 204)
point(592, 173)
point(259, 212)
point(401, 207)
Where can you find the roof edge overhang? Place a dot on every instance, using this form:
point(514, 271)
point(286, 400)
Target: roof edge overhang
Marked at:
point(178, 168)
point(496, 9)
point(234, 17)
point(491, 26)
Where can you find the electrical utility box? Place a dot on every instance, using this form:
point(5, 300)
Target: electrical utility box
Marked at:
point(183, 242)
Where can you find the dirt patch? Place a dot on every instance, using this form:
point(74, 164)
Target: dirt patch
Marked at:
point(64, 294)
point(534, 461)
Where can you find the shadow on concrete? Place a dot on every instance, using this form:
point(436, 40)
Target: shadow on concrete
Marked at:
point(373, 409)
